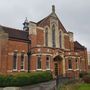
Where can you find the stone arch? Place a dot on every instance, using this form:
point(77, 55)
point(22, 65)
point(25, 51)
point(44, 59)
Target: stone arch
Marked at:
point(58, 58)
point(58, 65)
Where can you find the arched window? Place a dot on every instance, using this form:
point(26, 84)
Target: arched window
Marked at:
point(22, 61)
point(39, 62)
point(46, 37)
point(60, 39)
point(15, 61)
point(47, 62)
point(70, 64)
point(77, 64)
point(53, 36)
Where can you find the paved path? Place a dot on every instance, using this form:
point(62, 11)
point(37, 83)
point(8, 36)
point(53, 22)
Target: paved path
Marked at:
point(42, 86)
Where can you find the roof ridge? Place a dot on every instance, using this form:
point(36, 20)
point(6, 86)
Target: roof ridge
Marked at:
point(11, 28)
point(79, 43)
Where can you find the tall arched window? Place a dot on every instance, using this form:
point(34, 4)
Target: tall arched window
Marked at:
point(39, 62)
point(70, 63)
point(77, 64)
point(53, 36)
point(46, 37)
point(60, 39)
point(15, 61)
point(22, 61)
point(47, 62)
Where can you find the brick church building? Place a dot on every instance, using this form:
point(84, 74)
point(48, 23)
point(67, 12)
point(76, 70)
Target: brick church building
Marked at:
point(41, 46)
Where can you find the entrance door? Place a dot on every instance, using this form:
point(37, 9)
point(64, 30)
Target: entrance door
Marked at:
point(57, 65)
point(56, 68)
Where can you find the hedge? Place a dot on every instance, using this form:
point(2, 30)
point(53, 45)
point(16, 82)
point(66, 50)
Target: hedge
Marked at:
point(22, 79)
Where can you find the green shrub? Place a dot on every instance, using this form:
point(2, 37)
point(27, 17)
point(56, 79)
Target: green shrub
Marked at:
point(22, 79)
point(2, 80)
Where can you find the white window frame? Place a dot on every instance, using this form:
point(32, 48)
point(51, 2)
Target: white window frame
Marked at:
point(23, 64)
point(77, 64)
point(71, 64)
point(48, 62)
point(15, 69)
point(37, 63)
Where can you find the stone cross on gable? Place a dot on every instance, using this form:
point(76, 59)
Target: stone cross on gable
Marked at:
point(53, 9)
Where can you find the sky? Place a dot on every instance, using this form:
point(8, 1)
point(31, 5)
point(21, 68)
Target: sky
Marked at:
point(74, 15)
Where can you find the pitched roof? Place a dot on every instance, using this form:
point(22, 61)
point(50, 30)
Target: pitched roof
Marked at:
point(15, 33)
point(78, 46)
point(50, 15)
point(43, 20)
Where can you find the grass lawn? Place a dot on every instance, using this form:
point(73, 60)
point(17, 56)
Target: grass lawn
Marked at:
point(76, 87)
point(84, 87)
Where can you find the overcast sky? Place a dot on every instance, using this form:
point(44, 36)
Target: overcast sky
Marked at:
point(74, 14)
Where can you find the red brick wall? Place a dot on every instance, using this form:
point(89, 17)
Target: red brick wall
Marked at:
point(84, 60)
point(17, 45)
point(72, 46)
point(40, 37)
point(33, 63)
point(33, 40)
point(12, 46)
point(3, 55)
point(44, 23)
point(43, 62)
point(66, 42)
point(74, 72)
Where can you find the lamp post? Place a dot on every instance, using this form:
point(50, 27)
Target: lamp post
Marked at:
point(57, 79)
point(26, 28)
point(29, 55)
point(56, 73)
point(29, 51)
